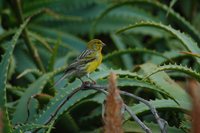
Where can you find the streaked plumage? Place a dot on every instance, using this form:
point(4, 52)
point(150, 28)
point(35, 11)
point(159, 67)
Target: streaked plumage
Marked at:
point(86, 62)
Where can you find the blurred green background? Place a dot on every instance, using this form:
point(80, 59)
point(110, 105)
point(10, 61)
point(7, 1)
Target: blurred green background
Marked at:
point(142, 37)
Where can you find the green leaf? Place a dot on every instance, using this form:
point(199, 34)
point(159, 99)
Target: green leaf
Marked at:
point(3, 78)
point(161, 104)
point(130, 50)
point(18, 128)
point(35, 88)
point(56, 101)
point(42, 40)
point(133, 127)
point(6, 34)
point(69, 40)
point(68, 123)
point(27, 71)
point(155, 5)
point(172, 3)
point(53, 56)
point(24, 62)
point(186, 41)
point(176, 67)
point(50, 127)
point(162, 80)
point(127, 60)
point(134, 82)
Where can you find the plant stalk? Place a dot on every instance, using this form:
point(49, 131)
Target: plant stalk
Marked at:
point(16, 5)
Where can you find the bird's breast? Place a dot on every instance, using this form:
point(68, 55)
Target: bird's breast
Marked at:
point(92, 66)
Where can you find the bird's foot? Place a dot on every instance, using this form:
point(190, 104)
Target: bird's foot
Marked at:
point(86, 83)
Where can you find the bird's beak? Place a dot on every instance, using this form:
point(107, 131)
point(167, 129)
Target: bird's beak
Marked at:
point(103, 44)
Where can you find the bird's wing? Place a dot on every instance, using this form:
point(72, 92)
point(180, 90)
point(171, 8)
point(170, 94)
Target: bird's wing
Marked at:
point(85, 57)
point(69, 70)
point(85, 54)
point(79, 63)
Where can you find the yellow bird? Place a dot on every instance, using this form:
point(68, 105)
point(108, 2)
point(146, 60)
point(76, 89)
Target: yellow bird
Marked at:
point(86, 62)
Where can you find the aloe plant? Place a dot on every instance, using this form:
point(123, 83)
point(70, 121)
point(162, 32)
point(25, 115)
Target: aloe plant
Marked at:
point(153, 48)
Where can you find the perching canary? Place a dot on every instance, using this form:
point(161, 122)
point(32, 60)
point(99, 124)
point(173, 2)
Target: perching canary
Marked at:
point(86, 62)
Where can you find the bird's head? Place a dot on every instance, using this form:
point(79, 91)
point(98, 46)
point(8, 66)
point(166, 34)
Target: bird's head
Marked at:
point(96, 45)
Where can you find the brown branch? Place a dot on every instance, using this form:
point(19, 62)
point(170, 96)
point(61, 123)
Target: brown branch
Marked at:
point(16, 5)
point(60, 106)
point(62, 103)
point(134, 116)
point(162, 123)
point(131, 113)
point(87, 86)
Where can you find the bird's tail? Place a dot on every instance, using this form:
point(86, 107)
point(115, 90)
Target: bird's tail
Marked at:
point(65, 75)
